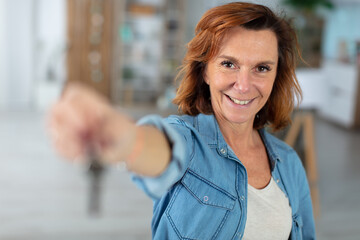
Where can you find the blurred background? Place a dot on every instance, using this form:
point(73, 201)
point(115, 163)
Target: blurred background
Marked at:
point(129, 50)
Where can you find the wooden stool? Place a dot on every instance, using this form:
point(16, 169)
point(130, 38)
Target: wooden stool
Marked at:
point(305, 122)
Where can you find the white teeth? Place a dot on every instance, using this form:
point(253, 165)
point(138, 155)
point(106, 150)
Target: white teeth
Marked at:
point(239, 102)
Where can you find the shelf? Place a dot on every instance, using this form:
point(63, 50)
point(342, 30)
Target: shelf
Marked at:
point(151, 48)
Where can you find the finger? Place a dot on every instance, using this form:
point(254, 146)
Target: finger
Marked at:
point(67, 131)
point(69, 146)
point(80, 94)
point(64, 116)
point(92, 107)
point(68, 114)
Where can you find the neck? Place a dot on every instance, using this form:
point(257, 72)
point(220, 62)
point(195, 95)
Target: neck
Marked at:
point(238, 135)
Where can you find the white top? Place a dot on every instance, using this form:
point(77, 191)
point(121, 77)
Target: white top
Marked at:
point(268, 213)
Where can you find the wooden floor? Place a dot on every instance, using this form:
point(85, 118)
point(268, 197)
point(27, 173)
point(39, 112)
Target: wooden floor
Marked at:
point(45, 198)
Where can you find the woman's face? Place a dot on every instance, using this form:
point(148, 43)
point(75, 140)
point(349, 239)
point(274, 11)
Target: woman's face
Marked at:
point(242, 75)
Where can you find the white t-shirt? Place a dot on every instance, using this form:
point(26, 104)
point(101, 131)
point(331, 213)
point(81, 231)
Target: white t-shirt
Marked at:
point(268, 213)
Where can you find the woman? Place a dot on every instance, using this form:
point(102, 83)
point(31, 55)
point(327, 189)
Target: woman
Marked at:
point(214, 172)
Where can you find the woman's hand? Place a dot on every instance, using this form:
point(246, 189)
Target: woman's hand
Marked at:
point(83, 121)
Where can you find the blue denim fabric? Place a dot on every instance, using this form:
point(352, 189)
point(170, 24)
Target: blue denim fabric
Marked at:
point(203, 192)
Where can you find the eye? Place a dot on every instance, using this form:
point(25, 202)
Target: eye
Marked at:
point(227, 64)
point(263, 68)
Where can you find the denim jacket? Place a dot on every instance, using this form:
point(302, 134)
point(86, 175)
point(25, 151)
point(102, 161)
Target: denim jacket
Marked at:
point(203, 192)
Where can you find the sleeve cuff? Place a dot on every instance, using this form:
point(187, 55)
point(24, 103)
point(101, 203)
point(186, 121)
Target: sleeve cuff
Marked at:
point(155, 187)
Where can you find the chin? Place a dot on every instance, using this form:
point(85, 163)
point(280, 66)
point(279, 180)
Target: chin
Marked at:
point(238, 119)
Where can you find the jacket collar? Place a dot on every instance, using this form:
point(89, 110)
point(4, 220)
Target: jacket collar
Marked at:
point(209, 129)
point(269, 143)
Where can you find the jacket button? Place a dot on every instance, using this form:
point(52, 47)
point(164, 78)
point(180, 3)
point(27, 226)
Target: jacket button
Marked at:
point(223, 151)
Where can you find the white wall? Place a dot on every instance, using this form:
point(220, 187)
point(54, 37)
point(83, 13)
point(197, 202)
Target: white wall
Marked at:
point(3, 54)
point(20, 53)
point(33, 42)
point(50, 42)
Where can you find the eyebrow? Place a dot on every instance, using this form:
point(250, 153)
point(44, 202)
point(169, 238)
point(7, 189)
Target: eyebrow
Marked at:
point(233, 59)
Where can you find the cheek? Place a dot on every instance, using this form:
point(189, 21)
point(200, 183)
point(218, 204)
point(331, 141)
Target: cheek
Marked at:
point(266, 87)
point(214, 76)
point(212, 81)
point(223, 80)
point(269, 88)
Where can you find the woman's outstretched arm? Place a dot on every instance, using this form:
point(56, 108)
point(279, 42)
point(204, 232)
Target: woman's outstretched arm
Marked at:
point(83, 121)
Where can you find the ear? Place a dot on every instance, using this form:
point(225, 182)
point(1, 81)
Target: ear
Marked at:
point(205, 77)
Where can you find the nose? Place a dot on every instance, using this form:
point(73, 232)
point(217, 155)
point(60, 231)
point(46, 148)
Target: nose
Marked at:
point(243, 81)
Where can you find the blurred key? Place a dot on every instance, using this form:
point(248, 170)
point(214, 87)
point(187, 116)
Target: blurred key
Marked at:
point(95, 172)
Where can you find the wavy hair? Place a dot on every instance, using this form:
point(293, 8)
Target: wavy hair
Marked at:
point(193, 93)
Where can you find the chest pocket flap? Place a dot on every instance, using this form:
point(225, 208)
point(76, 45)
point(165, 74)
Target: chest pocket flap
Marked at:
point(207, 192)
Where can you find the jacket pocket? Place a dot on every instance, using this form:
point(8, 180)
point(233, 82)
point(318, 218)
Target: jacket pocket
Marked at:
point(199, 208)
point(297, 227)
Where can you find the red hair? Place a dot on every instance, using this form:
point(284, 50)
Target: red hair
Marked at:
point(193, 93)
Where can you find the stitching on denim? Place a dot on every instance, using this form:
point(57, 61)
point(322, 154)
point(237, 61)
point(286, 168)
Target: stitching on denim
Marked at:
point(243, 211)
point(221, 225)
point(167, 212)
point(208, 204)
point(193, 146)
point(213, 186)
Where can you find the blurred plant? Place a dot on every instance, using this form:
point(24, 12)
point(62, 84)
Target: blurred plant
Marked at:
point(309, 5)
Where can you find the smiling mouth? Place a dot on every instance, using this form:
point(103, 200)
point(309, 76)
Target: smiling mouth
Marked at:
point(239, 102)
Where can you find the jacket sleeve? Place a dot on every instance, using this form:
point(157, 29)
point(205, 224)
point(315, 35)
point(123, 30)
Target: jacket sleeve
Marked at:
point(180, 138)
